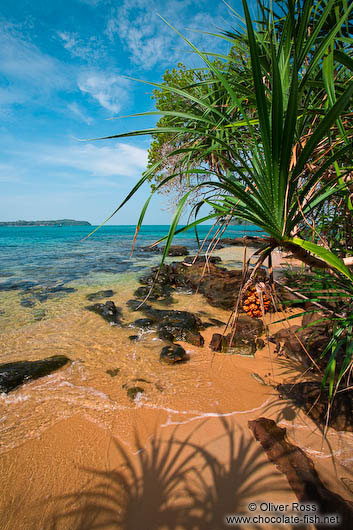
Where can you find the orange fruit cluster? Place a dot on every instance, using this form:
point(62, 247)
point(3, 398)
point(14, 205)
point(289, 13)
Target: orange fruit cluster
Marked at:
point(252, 305)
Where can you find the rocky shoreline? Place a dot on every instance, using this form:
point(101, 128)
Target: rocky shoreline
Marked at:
point(186, 334)
point(220, 287)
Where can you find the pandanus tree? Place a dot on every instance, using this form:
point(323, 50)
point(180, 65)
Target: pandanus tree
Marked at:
point(255, 152)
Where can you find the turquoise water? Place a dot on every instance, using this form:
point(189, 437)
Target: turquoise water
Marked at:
point(54, 256)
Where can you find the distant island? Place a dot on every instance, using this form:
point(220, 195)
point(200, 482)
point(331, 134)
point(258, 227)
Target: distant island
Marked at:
point(58, 222)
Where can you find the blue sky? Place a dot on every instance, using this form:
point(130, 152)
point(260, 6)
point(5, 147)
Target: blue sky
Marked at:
point(63, 68)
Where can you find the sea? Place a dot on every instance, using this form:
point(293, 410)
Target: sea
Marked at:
point(55, 256)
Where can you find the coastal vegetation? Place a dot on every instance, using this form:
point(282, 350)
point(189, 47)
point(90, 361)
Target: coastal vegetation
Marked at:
point(58, 222)
point(264, 134)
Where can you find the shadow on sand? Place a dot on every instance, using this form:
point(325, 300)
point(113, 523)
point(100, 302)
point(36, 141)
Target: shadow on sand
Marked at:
point(174, 484)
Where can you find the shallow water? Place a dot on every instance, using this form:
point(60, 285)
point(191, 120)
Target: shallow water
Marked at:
point(46, 275)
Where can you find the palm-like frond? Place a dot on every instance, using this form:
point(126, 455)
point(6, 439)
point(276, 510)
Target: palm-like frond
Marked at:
point(255, 151)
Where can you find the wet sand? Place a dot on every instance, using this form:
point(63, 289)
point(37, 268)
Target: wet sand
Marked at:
point(78, 453)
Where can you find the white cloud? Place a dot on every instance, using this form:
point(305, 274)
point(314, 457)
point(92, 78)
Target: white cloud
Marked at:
point(80, 113)
point(150, 40)
point(110, 90)
point(117, 159)
point(93, 49)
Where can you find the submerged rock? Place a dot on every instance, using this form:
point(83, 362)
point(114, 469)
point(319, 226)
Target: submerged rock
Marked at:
point(47, 293)
point(15, 374)
point(314, 401)
point(39, 314)
point(174, 250)
point(108, 311)
point(134, 305)
point(25, 302)
point(144, 323)
point(113, 372)
point(108, 293)
point(134, 391)
point(160, 293)
point(17, 285)
point(173, 354)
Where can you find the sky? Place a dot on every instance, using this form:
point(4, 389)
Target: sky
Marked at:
point(65, 71)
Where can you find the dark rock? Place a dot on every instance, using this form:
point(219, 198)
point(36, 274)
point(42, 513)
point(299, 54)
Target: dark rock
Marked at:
point(177, 325)
point(134, 338)
point(155, 250)
point(219, 285)
point(15, 374)
point(25, 302)
point(46, 293)
point(238, 346)
point(172, 325)
point(178, 250)
point(217, 343)
point(249, 328)
point(99, 295)
point(300, 472)
point(108, 311)
point(133, 391)
point(144, 323)
point(160, 293)
point(173, 354)
point(245, 340)
point(113, 372)
point(174, 250)
point(295, 342)
point(13, 285)
point(250, 241)
point(202, 259)
point(314, 401)
point(165, 276)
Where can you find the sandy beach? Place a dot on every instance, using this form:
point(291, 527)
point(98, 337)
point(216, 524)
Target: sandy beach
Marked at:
point(78, 453)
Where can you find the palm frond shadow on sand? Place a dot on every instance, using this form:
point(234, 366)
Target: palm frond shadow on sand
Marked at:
point(173, 484)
